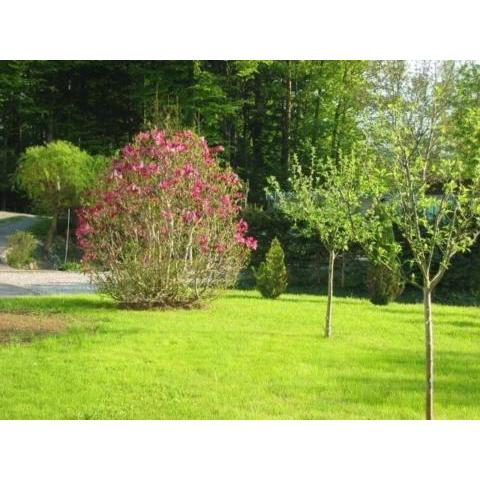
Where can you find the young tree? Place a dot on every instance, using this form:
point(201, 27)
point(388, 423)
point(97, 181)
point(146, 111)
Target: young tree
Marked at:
point(316, 200)
point(54, 177)
point(429, 191)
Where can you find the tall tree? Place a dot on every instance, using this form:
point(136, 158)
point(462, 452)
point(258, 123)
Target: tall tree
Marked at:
point(430, 192)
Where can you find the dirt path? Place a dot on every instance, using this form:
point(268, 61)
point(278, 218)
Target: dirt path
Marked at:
point(14, 282)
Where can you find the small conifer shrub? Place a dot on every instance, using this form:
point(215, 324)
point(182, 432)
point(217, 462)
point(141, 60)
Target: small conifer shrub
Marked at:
point(271, 276)
point(384, 284)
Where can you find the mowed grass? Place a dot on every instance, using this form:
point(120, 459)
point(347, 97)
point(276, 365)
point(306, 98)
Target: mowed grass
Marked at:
point(242, 358)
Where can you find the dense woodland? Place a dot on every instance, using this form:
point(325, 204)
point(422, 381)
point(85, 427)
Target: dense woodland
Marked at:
point(260, 111)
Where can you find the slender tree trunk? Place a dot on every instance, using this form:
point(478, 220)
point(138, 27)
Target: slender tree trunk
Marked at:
point(337, 117)
point(257, 124)
point(51, 233)
point(336, 120)
point(287, 116)
point(67, 238)
point(328, 319)
point(427, 310)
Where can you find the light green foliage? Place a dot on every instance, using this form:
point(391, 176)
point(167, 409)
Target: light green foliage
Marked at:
point(71, 267)
point(271, 276)
point(425, 187)
point(464, 124)
point(317, 198)
point(21, 249)
point(325, 201)
point(243, 358)
point(56, 175)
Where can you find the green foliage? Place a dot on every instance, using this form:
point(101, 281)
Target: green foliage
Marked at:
point(424, 187)
point(271, 276)
point(41, 227)
point(21, 249)
point(71, 267)
point(384, 284)
point(260, 111)
point(318, 198)
point(56, 175)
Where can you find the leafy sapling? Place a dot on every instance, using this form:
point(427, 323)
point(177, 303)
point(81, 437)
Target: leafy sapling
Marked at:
point(316, 199)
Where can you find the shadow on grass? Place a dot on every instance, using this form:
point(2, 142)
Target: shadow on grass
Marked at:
point(411, 295)
point(456, 380)
point(475, 325)
point(56, 304)
point(437, 314)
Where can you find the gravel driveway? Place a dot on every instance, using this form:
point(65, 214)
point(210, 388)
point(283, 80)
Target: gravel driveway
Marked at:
point(15, 282)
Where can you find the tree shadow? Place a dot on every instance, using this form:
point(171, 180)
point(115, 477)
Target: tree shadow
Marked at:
point(410, 296)
point(402, 373)
point(57, 304)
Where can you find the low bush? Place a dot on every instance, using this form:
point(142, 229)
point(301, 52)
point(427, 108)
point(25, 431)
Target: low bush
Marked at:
point(271, 276)
point(21, 249)
point(384, 285)
point(71, 267)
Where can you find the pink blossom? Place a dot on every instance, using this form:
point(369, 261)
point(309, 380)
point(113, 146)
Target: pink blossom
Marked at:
point(109, 197)
point(129, 150)
point(203, 241)
point(167, 214)
point(217, 149)
point(143, 136)
point(176, 147)
point(84, 229)
point(226, 200)
point(240, 238)
point(164, 184)
point(189, 170)
point(137, 167)
point(197, 189)
point(152, 169)
point(242, 226)
point(160, 138)
point(251, 243)
point(190, 216)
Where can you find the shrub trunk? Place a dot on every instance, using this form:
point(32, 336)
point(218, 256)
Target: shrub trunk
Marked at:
point(51, 233)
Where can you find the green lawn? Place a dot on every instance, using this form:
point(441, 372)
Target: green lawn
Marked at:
point(243, 358)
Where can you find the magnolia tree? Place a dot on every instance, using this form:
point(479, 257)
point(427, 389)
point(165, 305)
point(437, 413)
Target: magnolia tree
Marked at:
point(316, 199)
point(421, 181)
point(162, 228)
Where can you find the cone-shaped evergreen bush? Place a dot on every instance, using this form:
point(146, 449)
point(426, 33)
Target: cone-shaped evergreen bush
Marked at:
point(384, 285)
point(271, 275)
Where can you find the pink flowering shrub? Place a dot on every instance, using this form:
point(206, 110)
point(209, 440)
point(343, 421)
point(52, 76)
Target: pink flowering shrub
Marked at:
point(162, 228)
